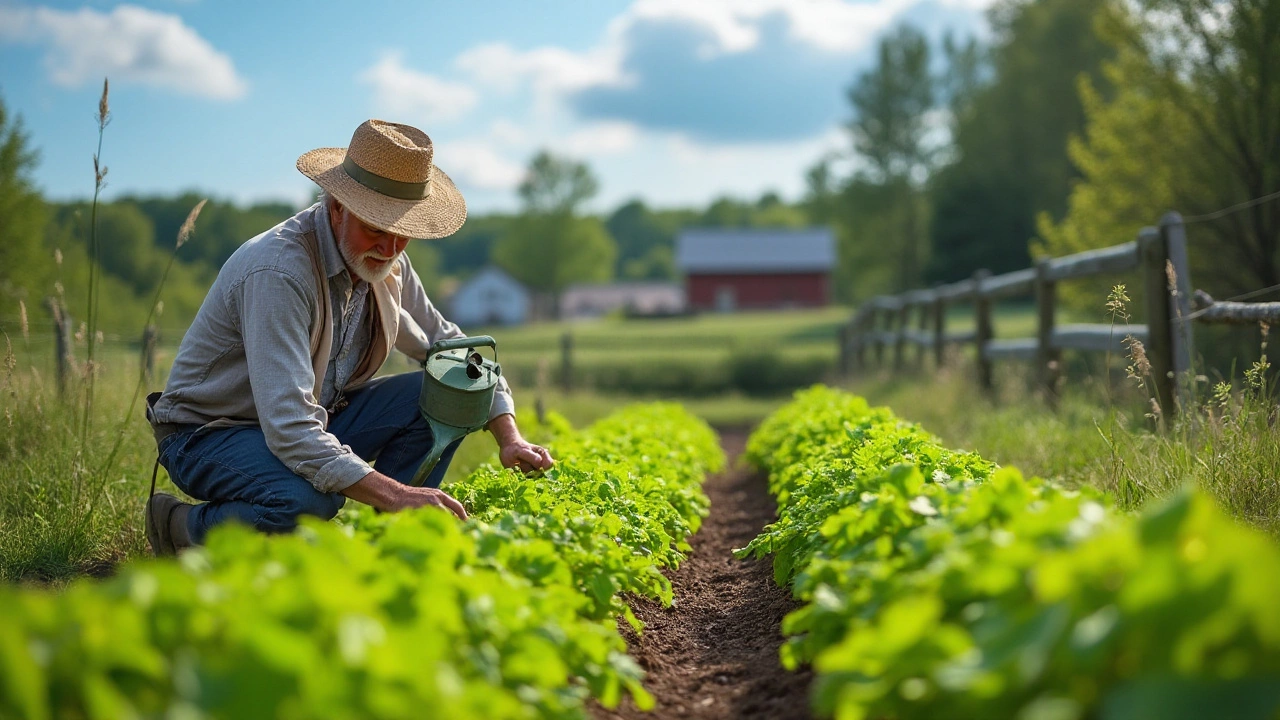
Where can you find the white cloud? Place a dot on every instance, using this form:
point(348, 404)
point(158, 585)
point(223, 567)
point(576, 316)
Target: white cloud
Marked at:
point(830, 25)
point(130, 44)
point(414, 96)
point(509, 133)
point(627, 153)
point(547, 68)
point(601, 138)
point(476, 162)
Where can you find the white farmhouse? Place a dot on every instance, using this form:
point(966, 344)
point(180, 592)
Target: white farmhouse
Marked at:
point(490, 297)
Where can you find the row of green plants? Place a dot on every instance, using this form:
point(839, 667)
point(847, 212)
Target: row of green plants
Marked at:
point(513, 614)
point(936, 585)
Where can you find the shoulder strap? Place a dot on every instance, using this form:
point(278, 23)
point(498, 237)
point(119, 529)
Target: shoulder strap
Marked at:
point(322, 318)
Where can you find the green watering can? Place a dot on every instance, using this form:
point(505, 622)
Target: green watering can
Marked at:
point(457, 392)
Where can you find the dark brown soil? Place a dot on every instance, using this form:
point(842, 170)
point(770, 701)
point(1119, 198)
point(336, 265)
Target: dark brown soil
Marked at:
point(714, 654)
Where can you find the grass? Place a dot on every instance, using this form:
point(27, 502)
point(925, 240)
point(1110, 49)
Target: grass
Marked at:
point(59, 516)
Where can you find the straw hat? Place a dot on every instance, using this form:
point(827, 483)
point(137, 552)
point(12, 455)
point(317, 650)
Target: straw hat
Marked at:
point(388, 180)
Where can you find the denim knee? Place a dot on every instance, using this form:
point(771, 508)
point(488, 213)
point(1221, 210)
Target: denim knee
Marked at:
point(282, 512)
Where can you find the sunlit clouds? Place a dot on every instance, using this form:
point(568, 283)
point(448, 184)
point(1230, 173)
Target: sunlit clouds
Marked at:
point(130, 44)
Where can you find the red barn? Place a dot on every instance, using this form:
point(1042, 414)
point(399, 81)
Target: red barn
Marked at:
point(729, 269)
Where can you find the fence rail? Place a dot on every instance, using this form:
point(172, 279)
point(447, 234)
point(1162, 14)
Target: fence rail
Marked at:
point(1159, 254)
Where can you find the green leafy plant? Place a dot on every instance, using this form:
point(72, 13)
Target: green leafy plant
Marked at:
point(406, 615)
point(937, 586)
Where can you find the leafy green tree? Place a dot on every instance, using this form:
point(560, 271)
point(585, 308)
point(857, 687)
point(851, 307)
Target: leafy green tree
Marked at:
point(469, 249)
point(1010, 134)
point(550, 247)
point(425, 258)
point(768, 211)
point(556, 185)
point(890, 129)
point(23, 266)
point(127, 246)
point(223, 227)
point(1194, 126)
point(644, 242)
point(890, 103)
point(821, 200)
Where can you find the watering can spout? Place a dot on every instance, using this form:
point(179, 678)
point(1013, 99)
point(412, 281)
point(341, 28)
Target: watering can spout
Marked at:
point(457, 394)
point(442, 437)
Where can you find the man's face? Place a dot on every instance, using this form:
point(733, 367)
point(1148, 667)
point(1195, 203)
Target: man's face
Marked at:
point(369, 252)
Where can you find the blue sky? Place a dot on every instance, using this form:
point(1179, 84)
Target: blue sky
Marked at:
point(672, 101)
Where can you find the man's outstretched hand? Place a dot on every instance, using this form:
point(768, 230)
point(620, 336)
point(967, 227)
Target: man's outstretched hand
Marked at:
point(513, 450)
point(388, 495)
point(524, 456)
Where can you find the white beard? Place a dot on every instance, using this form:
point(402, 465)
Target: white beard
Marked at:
point(361, 264)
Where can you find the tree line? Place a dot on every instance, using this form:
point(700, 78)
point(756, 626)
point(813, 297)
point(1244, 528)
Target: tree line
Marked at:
point(1074, 124)
point(549, 244)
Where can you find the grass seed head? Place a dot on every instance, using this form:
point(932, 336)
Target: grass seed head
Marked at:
point(1140, 367)
point(188, 225)
point(22, 321)
point(1118, 302)
point(104, 108)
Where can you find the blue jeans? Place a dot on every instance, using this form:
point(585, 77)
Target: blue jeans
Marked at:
point(238, 476)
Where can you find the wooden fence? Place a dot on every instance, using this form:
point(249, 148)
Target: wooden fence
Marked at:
point(1159, 255)
point(66, 369)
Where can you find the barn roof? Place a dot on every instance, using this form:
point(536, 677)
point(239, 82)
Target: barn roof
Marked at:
point(759, 250)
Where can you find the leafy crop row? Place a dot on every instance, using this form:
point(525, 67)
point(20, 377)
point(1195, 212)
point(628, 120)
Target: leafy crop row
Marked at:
point(509, 615)
point(937, 586)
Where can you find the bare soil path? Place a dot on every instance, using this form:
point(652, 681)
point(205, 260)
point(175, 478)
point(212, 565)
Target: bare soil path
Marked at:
point(714, 654)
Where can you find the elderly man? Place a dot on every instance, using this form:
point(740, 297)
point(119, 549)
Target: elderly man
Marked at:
point(272, 410)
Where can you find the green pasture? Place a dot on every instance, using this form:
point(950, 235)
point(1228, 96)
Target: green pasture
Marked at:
point(64, 513)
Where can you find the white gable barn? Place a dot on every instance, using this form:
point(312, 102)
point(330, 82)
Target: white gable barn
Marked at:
point(490, 297)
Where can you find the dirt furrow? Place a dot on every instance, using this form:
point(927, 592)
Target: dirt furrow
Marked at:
point(714, 654)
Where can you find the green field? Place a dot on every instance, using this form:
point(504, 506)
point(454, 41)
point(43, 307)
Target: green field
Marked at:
point(63, 514)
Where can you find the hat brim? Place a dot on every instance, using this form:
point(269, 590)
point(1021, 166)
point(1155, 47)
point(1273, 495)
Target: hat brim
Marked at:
point(438, 215)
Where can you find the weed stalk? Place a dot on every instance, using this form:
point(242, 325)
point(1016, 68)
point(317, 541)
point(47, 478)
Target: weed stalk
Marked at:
point(91, 335)
point(184, 234)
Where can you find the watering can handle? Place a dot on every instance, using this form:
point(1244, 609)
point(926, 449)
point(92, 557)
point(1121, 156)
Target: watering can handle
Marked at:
point(462, 343)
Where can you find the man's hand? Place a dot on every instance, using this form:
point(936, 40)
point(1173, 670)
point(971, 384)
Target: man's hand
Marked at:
point(388, 495)
point(513, 450)
point(524, 456)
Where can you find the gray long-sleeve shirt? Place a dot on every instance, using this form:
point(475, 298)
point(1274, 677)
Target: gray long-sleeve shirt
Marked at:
point(250, 356)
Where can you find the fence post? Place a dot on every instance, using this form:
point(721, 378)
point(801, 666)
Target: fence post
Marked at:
point(62, 356)
point(879, 336)
point(939, 330)
point(1160, 342)
point(566, 361)
point(860, 338)
point(149, 338)
point(922, 324)
point(983, 331)
point(843, 335)
point(903, 317)
point(1175, 241)
point(1048, 358)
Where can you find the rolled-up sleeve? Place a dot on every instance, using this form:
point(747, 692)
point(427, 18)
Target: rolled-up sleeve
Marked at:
point(275, 312)
point(421, 325)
